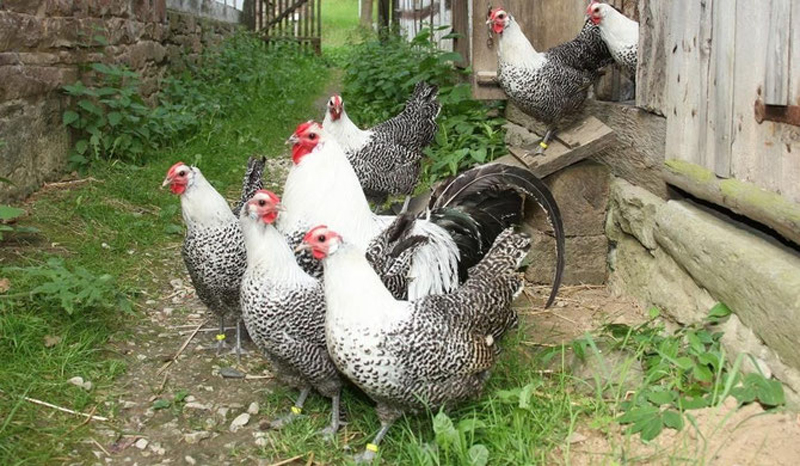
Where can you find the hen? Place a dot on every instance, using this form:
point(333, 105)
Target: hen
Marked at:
point(213, 249)
point(409, 356)
point(386, 157)
point(283, 309)
point(620, 34)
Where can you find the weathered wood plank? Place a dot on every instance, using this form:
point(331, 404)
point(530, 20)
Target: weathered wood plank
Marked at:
point(776, 83)
point(720, 92)
point(654, 43)
point(687, 81)
point(580, 142)
point(765, 207)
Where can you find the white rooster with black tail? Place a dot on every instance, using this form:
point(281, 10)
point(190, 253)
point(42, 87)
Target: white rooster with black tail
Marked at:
point(386, 157)
point(283, 309)
point(213, 249)
point(411, 356)
point(620, 33)
point(465, 215)
point(548, 86)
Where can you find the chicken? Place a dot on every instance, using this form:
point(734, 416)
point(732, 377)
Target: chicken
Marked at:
point(548, 86)
point(620, 34)
point(386, 158)
point(213, 249)
point(465, 215)
point(411, 356)
point(283, 309)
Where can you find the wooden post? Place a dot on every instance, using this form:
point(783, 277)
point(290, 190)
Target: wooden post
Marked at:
point(383, 13)
point(366, 13)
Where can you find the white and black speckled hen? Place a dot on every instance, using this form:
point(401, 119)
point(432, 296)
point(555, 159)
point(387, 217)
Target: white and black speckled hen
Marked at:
point(213, 249)
point(620, 33)
point(409, 356)
point(464, 217)
point(386, 157)
point(552, 85)
point(283, 309)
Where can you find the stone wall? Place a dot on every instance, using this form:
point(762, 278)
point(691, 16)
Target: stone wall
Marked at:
point(45, 44)
point(684, 258)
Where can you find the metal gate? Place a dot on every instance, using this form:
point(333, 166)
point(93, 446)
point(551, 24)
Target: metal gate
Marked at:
point(289, 20)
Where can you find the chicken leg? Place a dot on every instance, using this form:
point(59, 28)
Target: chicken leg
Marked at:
point(220, 337)
point(297, 409)
point(387, 416)
point(544, 143)
point(329, 432)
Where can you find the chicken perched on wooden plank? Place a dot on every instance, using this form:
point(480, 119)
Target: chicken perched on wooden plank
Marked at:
point(465, 215)
point(386, 157)
point(283, 309)
point(213, 249)
point(548, 86)
point(410, 356)
point(620, 34)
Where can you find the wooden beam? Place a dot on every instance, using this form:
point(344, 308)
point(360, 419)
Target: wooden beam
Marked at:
point(765, 207)
point(571, 146)
point(776, 82)
point(285, 13)
point(366, 13)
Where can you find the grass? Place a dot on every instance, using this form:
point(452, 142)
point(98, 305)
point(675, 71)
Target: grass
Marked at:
point(340, 19)
point(118, 223)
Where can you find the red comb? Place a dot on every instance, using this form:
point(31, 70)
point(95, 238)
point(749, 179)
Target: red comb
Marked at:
point(312, 232)
point(172, 169)
point(272, 196)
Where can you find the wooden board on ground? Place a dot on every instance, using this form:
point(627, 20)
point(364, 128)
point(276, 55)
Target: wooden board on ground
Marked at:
point(571, 146)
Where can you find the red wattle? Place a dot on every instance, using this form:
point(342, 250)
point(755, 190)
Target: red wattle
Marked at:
point(318, 255)
point(298, 152)
point(498, 27)
point(269, 217)
point(177, 188)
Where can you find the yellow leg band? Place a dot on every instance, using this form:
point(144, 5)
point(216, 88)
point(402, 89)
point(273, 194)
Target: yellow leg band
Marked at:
point(372, 447)
point(296, 410)
point(543, 145)
point(220, 336)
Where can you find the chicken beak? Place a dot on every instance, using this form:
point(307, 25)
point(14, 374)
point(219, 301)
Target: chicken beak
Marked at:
point(166, 182)
point(280, 208)
point(293, 139)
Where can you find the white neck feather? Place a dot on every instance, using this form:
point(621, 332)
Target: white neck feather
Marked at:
point(269, 254)
point(323, 189)
point(514, 48)
point(367, 303)
point(202, 205)
point(346, 133)
point(618, 31)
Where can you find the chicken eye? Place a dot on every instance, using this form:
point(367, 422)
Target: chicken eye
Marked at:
point(181, 173)
point(312, 136)
point(321, 238)
point(501, 16)
point(262, 202)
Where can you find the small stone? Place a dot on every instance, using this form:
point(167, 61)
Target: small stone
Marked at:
point(231, 373)
point(261, 442)
point(189, 460)
point(176, 283)
point(575, 437)
point(77, 381)
point(128, 404)
point(141, 357)
point(168, 311)
point(223, 412)
point(196, 405)
point(88, 385)
point(105, 246)
point(196, 437)
point(190, 399)
point(141, 444)
point(253, 408)
point(158, 449)
point(240, 421)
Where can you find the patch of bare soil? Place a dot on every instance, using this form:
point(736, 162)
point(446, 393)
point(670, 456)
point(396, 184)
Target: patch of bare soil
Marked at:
point(724, 436)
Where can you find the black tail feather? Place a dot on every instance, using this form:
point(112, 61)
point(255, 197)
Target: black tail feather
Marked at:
point(476, 206)
point(253, 180)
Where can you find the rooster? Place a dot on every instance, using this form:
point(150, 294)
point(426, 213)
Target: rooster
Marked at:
point(464, 216)
point(548, 86)
point(411, 356)
point(283, 309)
point(213, 249)
point(386, 157)
point(620, 34)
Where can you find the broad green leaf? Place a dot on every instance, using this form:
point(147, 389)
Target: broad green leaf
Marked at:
point(651, 428)
point(446, 434)
point(70, 117)
point(478, 455)
point(114, 118)
point(719, 311)
point(10, 213)
point(702, 373)
point(672, 419)
point(661, 397)
point(637, 414)
point(471, 424)
point(161, 404)
point(81, 146)
point(684, 362)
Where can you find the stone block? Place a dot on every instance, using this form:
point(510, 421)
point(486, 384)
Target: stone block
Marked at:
point(758, 278)
point(19, 81)
point(30, 7)
point(654, 279)
point(585, 259)
point(633, 210)
point(581, 191)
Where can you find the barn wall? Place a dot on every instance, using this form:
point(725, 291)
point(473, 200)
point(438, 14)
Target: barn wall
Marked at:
point(417, 14)
point(704, 65)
